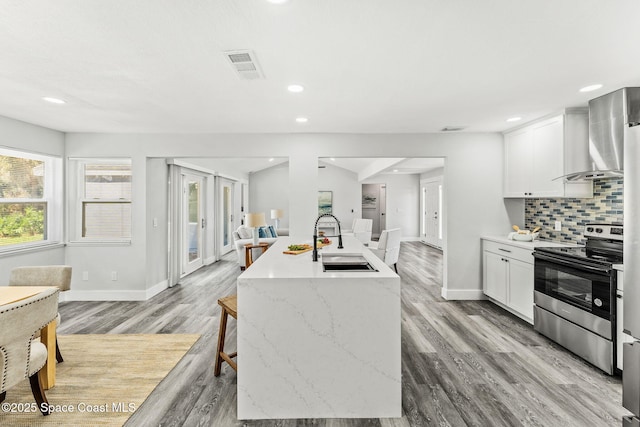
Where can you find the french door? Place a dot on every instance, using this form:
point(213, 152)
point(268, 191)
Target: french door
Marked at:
point(227, 220)
point(193, 222)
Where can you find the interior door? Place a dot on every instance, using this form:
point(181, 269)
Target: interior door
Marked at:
point(431, 202)
point(192, 222)
point(226, 215)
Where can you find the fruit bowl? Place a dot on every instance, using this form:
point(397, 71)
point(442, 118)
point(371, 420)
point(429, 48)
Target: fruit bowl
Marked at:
point(529, 237)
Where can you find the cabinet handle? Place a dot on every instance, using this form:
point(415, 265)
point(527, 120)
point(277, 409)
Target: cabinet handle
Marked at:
point(504, 250)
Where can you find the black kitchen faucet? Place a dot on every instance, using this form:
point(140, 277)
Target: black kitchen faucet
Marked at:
point(315, 235)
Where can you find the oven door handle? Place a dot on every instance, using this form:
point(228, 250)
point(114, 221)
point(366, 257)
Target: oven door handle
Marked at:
point(573, 264)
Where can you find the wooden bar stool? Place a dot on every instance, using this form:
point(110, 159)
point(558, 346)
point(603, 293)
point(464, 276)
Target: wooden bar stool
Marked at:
point(229, 307)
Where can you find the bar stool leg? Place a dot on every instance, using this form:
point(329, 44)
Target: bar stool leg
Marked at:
point(221, 335)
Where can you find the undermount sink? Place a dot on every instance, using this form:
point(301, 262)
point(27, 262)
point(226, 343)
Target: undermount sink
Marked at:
point(346, 263)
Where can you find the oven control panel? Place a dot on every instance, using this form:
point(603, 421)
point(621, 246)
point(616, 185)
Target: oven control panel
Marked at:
point(604, 231)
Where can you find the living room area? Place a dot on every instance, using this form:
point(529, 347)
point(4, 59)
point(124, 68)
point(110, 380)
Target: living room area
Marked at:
point(389, 193)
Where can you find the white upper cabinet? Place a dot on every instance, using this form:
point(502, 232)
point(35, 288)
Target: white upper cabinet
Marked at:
point(538, 153)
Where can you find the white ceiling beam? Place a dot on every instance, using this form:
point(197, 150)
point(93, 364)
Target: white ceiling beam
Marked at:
point(378, 166)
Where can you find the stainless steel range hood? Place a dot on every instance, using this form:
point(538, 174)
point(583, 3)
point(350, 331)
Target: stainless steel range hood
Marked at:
point(609, 115)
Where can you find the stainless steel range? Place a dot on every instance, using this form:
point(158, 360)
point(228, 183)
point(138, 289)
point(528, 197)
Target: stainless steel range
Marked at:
point(575, 294)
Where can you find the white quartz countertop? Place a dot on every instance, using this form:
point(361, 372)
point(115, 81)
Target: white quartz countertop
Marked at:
point(528, 245)
point(273, 264)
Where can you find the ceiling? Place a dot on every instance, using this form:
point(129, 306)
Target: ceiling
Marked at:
point(370, 167)
point(367, 66)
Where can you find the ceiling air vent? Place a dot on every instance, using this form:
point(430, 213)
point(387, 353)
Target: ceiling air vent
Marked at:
point(451, 129)
point(245, 63)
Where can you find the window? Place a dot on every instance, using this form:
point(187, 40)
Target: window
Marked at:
point(29, 184)
point(104, 199)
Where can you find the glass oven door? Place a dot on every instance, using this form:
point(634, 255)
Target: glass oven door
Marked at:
point(587, 287)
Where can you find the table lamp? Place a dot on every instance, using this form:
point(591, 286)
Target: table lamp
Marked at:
point(276, 214)
point(255, 220)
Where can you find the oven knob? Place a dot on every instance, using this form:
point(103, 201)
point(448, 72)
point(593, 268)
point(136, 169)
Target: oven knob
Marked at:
point(598, 230)
point(590, 229)
point(597, 302)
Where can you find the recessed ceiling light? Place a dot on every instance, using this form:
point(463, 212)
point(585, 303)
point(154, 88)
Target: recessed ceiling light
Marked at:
point(277, 1)
point(395, 170)
point(514, 119)
point(295, 88)
point(591, 88)
point(333, 159)
point(302, 120)
point(271, 159)
point(54, 100)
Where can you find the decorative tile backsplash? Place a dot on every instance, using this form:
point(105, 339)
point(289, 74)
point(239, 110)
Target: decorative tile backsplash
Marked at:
point(606, 206)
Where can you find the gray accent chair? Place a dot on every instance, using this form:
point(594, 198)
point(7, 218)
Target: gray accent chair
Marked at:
point(44, 275)
point(21, 355)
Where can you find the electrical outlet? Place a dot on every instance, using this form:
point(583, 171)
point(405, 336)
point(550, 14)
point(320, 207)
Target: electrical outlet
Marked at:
point(155, 222)
point(85, 275)
point(114, 275)
point(558, 226)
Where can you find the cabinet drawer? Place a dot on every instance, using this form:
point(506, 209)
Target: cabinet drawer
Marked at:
point(521, 254)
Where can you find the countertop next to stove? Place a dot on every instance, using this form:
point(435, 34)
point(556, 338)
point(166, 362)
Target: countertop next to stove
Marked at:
point(529, 245)
point(619, 267)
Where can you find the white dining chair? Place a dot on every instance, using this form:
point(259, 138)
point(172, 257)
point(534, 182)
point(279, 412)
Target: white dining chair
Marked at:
point(361, 229)
point(387, 248)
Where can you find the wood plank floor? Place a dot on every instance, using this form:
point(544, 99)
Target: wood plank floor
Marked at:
point(464, 363)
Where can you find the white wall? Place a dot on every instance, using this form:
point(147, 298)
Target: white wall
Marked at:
point(403, 202)
point(347, 193)
point(473, 185)
point(434, 173)
point(157, 199)
point(128, 261)
point(269, 189)
point(220, 166)
point(27, 137)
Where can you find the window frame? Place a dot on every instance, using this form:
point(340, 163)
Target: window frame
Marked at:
point(51, 198)
point(77, 229)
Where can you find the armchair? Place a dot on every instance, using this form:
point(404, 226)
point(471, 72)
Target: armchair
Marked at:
point(20, 355)
point(45, 275)
point(388, 247)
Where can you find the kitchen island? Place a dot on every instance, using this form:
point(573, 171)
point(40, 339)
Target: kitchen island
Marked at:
point(315, 344)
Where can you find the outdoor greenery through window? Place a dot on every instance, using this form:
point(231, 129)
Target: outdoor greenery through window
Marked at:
point(106, 202)
point(25, 198)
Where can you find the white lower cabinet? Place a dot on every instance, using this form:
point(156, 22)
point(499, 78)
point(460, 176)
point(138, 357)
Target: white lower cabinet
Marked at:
point(508, 277)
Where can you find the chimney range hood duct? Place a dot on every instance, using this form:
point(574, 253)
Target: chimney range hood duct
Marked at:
point(609, 117)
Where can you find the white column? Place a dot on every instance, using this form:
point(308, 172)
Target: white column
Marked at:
point(303, 194)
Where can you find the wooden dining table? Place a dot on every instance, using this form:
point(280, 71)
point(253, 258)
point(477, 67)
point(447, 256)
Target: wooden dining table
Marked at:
point(11, 294)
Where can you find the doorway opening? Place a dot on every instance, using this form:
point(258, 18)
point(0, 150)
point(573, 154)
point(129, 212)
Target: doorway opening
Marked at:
point(374, 207)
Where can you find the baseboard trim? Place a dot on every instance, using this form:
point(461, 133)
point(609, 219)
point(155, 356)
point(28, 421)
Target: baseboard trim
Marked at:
point(462, 294)
point(157, 288)
point(114, 295)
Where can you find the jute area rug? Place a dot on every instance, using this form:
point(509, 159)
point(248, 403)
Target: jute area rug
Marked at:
point(103, 379)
